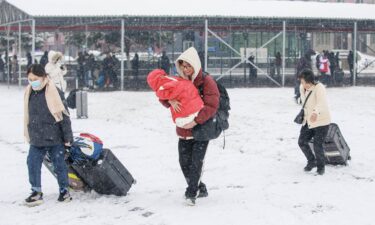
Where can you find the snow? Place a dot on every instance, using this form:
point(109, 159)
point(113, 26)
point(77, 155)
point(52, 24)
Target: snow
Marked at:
point(222, 8)
point(256, 179)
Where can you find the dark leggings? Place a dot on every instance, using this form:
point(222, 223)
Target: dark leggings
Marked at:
point(319, 134)
point(191, 157)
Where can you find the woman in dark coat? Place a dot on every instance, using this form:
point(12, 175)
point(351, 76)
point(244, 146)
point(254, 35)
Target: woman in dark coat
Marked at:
point(47, 130)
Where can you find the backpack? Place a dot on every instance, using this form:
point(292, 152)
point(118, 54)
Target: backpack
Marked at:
point(101, 80)
point(224, 106)
point(71, 99)
point(85, 147)
point(213, 127)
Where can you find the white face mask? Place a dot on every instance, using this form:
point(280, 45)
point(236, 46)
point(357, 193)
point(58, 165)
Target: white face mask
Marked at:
point(36, 84)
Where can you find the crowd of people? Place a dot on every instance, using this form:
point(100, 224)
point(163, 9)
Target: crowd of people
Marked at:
point(90, 71)
point(328, 65)
point(95, 72)
point(12, 63)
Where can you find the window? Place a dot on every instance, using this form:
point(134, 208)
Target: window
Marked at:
point(323, 39)
point(187, 44)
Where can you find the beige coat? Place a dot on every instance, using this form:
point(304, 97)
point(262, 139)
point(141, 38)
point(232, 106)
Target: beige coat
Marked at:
point(317, 103)
point(54, 71)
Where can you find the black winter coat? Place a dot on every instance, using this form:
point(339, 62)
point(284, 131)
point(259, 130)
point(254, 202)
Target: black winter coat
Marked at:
point(43, 128)
point(303, 63)
point(165, 64)
point(44, 60)
point(2, 65)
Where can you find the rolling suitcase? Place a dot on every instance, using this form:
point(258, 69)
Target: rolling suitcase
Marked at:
point(81, 104)
point(339, 76)
point(336, 150)
point(107, 175)
point(85, 148)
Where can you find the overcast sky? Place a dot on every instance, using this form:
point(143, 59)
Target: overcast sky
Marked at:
point(83, 7)
point(61, 4)
point(240, 8)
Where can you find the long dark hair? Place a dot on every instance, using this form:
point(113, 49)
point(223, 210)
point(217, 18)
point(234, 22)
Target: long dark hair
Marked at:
point(37, 70)
point(308, 76)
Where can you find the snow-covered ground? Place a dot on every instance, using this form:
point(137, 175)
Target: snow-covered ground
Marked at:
point(256, 179)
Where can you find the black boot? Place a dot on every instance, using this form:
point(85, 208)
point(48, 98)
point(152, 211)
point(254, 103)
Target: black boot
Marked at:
point(310, 165)
point(320, 170)
point(202, 191)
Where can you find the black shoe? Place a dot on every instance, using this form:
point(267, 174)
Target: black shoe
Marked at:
point(36, 198)
point(309, 166)
point(320, 170)
point(202, 191)
point(64, 196)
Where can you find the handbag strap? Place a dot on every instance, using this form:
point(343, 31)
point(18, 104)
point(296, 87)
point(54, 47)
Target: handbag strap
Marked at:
point(306, 99)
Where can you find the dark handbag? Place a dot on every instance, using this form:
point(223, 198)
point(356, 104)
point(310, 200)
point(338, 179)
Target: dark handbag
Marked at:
point(299, 118)
point(209, 130)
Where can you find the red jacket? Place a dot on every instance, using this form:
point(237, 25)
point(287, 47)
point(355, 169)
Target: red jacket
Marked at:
point(323, 65)
point(210, 99)
point(175, 88)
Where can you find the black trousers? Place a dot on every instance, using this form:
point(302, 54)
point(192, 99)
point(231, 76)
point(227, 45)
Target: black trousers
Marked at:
point(297, 94)
point(319, 134)
point(191, 157)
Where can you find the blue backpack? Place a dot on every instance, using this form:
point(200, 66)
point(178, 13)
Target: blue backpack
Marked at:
point(85, 147)
point(101, 80)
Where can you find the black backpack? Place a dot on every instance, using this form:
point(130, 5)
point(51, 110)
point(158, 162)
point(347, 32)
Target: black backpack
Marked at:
point(71, 99)
point(213, 127)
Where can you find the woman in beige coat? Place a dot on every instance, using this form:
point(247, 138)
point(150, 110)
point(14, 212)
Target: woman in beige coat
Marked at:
point(316, 121)
point(55, 70)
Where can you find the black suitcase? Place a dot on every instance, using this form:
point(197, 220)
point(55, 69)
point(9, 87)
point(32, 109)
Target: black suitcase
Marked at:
point(107, 175)
point(339, 76)
point(81, 104)
point(336, 150)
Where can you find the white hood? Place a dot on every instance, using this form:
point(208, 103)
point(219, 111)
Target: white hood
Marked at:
point(191, 56)
point(53, 56)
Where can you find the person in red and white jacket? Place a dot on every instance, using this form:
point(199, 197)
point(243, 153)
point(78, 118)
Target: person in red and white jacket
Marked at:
point(324, 68)
point(324, 64)
point(192, 152)
point(176, 88)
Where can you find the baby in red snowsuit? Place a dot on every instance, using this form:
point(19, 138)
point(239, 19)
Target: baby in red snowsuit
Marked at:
point(176, 88)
